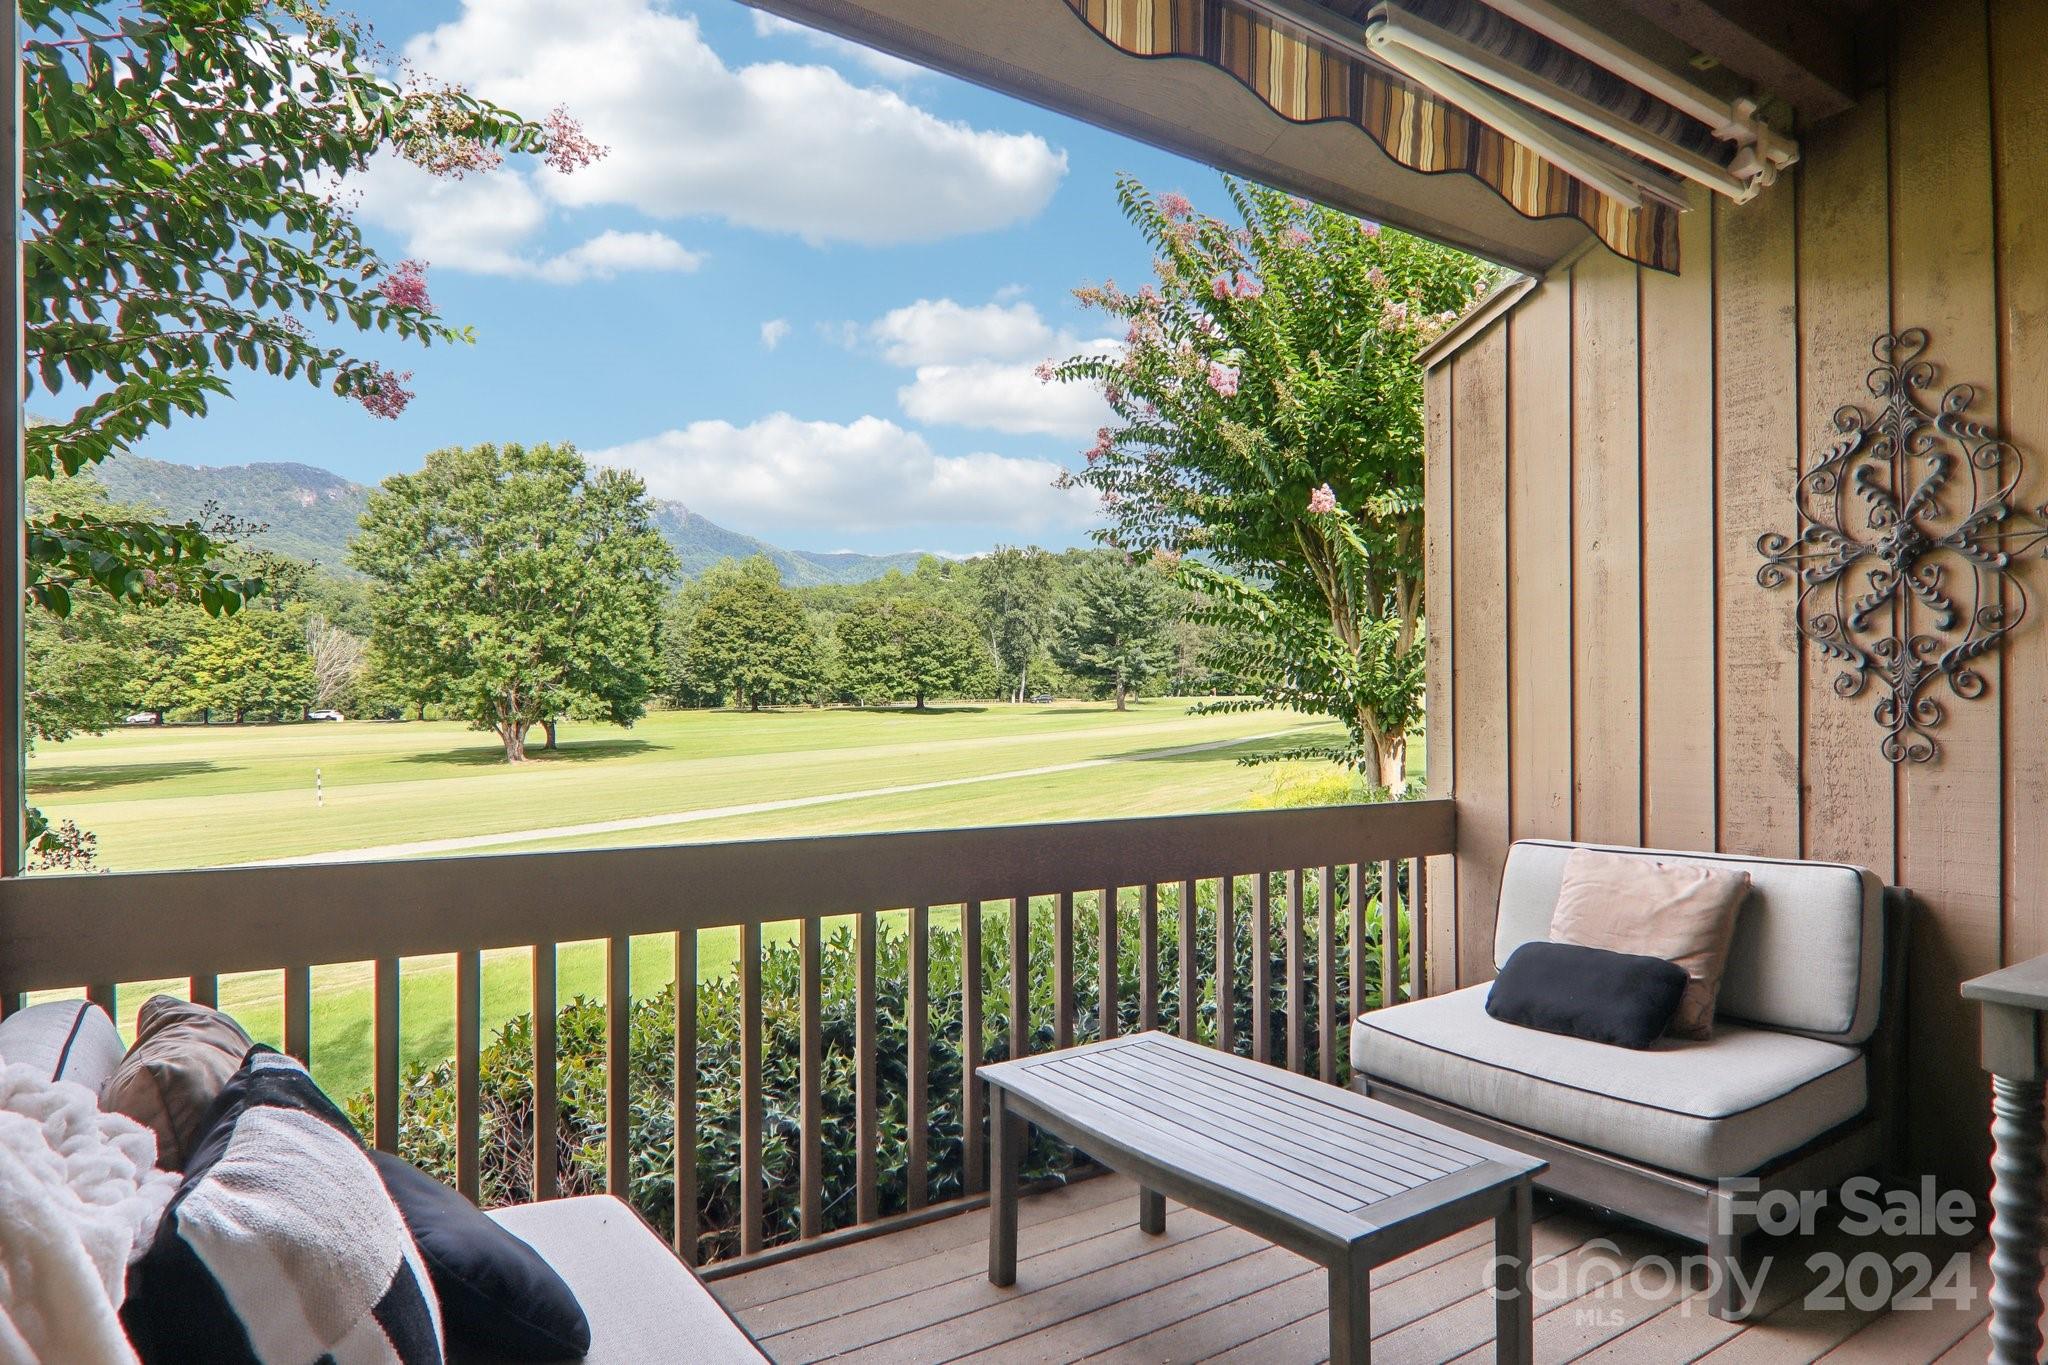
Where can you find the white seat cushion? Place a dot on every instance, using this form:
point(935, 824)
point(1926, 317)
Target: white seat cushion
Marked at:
point(1712, 1109)
point(643, 1303)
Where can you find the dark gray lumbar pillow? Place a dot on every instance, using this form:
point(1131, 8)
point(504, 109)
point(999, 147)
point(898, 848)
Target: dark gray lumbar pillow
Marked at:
point(1592, 993)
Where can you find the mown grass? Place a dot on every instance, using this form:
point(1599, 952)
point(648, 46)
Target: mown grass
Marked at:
point(203, 796)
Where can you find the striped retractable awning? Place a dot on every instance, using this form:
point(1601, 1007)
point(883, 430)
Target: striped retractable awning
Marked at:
point(1307, 81)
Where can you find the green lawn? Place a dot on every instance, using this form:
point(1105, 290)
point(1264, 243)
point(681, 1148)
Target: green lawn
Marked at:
point(189, 796)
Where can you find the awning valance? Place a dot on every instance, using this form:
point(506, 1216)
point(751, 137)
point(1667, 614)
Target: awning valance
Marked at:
point(1308, 81)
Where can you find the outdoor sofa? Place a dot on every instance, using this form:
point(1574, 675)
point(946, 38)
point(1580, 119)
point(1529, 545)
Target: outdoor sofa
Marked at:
point(1795, 1090)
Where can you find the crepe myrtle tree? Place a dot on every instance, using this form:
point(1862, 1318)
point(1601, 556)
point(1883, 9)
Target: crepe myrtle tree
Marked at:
point(520, 587)
point(1267, 437)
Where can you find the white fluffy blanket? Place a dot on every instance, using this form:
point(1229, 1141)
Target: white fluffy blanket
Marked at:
point(80, 1196)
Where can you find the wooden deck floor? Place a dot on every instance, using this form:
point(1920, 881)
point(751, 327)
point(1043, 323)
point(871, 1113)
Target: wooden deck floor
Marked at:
point(1091, 1286)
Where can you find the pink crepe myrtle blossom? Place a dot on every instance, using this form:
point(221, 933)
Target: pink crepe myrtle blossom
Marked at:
point(570, 149)
point(1104, 441)
point(1376, 277)
point(1297, 237)
point(1223, 379)
point(1248, 287)
point(1220, 287)
point(1394, 314)
point(406, 287)
point(1044, 370)
point(1369, 229)
point(1175, 206)
point(386, 395)
point(1322, 501)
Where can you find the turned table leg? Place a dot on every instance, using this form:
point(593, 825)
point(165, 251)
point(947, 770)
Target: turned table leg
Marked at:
point(2017, 1113)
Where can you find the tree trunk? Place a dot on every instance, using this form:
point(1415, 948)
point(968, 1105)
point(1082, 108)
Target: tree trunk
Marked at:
point(549, 726)
point(514, 736)
point(920, 701)
point(1394, 764)
point(1121, 691)
point(420, 711)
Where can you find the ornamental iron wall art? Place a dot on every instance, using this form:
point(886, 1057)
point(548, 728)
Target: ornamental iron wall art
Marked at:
point(1913, 591)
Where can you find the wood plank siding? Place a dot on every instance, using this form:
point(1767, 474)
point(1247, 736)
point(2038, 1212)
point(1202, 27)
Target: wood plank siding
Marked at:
point(1602, 459)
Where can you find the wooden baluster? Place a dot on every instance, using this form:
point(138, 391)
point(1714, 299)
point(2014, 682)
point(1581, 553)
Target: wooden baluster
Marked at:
point(468, 1046)
point(1295, 977)
point(298, 1013)
point(1390, 933)
point(685, 1233)
point(750, 1088)
point(1326, 976)
point(1148, 958)
point(1020, 976)
point(866, 1180)
point(810, 1108)
point(973, 1149)
point(1262, 967)
point(384, 1043)
point(618, 1062)
point(1063, 971)
point(547, 1154)
point(1226, 963)
point(1188, 989)
point(1355, 881)
point(1418, 914)
point(919, 1079)
point(205, 990)
point(1106, 1003)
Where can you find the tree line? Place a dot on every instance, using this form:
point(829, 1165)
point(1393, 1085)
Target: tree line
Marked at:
point(515, 587)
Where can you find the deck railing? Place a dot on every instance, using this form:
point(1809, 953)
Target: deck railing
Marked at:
point(1253, 874)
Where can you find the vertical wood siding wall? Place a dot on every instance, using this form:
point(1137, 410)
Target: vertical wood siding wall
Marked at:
point(1603, 458)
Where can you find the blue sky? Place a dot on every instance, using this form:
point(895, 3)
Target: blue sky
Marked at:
point(803, 294)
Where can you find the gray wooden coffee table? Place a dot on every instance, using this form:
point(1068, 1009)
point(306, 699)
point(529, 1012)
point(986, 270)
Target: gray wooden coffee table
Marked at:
point(1341, 1179)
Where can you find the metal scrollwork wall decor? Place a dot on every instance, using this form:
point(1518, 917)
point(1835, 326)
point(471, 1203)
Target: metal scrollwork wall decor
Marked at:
point(1910, 527)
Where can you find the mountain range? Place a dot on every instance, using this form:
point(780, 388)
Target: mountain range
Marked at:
point(310, 513)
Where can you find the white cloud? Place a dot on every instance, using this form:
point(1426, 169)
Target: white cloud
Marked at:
point(940, 331)
point(862, 476)
point(774, 332)
point(892, 69)
point(774, 146)
point(485, 224)
point(612, 253)
point(976, 366)
point(1005, 397)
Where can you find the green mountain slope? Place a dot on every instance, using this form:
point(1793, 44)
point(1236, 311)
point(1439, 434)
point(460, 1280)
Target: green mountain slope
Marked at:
point(310, 514)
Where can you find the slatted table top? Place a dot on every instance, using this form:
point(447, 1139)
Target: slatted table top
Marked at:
point(1336, 1166)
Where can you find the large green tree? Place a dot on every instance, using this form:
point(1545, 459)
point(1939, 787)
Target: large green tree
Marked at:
point(749, 641)
point(1014, 590)
point(1112, 626)
point(519, 587)
point(1268, 427)
point(253, 662)
point(891, 648)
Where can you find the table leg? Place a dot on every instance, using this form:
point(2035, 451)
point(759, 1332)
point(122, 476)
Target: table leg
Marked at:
point(1514, 1326)
point(1151, 1211)
point(1351, 1311)
point(2016, 1173)
point(1006, 1157)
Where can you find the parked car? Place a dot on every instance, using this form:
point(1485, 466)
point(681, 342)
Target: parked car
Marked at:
point(324, 715)
point(1043, 699)
point(143, 718)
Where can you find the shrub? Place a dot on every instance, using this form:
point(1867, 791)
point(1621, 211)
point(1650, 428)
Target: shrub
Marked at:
point(428, 1101)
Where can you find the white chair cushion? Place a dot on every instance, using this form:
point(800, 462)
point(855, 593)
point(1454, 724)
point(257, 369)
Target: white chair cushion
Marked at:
point(1809, 941)
point(643, 1303)
point(66, 1040)
point(1712, 1109)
